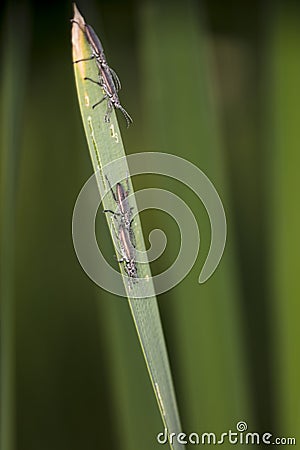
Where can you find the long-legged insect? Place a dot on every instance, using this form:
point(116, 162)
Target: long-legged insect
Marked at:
point(125, 232)
point(98, 54)
point(121, 198)
point(108, 79)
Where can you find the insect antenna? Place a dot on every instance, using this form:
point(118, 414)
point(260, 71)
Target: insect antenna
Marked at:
point(125, 114)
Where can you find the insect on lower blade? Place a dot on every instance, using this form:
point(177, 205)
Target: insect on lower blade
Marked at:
point(127, 252)
point(124, 219)
point(120, 196)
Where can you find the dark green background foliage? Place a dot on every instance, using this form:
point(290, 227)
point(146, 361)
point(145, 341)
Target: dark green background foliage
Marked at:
point(216, 83)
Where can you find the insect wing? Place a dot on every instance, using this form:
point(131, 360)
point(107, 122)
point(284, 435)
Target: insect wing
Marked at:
point(121, 198)
point(94, 42)
point(126, 244)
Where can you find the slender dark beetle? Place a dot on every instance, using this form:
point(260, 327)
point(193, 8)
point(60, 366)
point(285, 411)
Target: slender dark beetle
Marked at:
point(120, 197)
point(108, 79)
point(125, 232)
point(98, 54)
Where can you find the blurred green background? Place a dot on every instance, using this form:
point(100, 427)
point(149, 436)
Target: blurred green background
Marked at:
point(216, 83)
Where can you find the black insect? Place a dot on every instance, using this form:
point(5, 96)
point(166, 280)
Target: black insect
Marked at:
point(125, 210)
point(125, 232)
point(108, 79)
point(98, 53)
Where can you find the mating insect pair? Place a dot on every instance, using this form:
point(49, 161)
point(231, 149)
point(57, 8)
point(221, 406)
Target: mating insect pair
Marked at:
point(125, 232)
point(108, 79)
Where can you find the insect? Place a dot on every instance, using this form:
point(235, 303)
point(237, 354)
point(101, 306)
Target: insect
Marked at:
point(98, 53)
point(127, 251)
point(108, 79)
point(125, 232)
point(120, 197)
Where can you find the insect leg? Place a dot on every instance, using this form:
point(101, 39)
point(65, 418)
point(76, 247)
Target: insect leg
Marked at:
point(132, 236)
point(93, 81)
point(98, 103)
point(77, 23)
point(84, 59)
point(110, 211)
point(112, 191)
point(116, 79)
point(109, 111)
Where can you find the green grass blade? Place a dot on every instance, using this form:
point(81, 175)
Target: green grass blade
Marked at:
point(105, 145)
